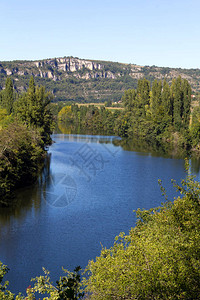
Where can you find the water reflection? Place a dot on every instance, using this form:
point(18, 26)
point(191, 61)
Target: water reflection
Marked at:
point(86, 138)
point(26, 199)
point(153, 148)
point(30, 198)
point(143, 147)
point(68, 128)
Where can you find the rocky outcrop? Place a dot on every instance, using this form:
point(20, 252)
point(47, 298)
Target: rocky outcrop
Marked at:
point(101, 74)
point(69, 64)
point(48, 74)
point(73, 78)
point(8, 72)
point(137, 75)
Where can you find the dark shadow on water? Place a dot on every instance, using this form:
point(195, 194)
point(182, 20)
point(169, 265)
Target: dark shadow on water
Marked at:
point(154, 149)
point(27, 198)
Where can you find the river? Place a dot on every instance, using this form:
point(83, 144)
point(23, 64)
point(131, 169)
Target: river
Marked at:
point(83, 199)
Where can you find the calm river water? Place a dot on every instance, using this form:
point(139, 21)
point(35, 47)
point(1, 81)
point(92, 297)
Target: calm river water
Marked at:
point(84, 198)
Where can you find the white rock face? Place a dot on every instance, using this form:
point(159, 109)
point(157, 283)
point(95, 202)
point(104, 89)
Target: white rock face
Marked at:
point(50, 68)
point(137, 75)
point(62, 67)
point(72, 64)
point(8, 72)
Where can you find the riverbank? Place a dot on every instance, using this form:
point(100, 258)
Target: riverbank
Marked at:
point(21, 158)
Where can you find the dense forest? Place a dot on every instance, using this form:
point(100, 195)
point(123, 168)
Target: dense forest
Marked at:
point(159, 113)
point(25, 128)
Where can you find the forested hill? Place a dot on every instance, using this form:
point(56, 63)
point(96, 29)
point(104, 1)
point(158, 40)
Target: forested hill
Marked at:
point(75, 79)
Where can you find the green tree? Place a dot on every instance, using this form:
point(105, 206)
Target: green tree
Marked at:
point(7, 100)
point(33, 109)
point(186, 102)
point(178, 103)
point(129, 99)
point(167, 100)
point(65, 114)
point(195, 127)
point(143, 96)
point(156, 96)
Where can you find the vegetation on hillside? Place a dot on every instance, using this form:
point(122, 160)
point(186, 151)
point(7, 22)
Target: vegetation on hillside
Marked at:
point(88, 84)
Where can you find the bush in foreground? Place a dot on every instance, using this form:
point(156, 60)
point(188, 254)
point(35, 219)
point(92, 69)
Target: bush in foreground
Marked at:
point(159, 259)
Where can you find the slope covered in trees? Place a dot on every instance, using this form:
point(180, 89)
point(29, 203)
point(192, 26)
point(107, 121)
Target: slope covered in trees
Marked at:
point(80, 80)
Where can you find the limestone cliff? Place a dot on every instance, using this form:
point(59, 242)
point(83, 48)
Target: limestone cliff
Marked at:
point(71, 78)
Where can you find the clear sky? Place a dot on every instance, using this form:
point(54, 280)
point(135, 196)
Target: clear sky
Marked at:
point(144, 32)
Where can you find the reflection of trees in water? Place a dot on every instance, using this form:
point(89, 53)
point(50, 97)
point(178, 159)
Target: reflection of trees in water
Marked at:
point(142, 146)
point(155, 149)
point(69, 128)
point(195, 166)
point(158, 149)
point(28, 197)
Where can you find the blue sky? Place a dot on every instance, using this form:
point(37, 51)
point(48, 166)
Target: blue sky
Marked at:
point(144, 32)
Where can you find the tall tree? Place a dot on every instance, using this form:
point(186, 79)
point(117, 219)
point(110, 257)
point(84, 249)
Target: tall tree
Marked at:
point(156, 96)
point(186, 102)
point(129, 99)
point(33, 108)
point(143, 95)
point(178, 103)
point(167, 102)
point(8, 96)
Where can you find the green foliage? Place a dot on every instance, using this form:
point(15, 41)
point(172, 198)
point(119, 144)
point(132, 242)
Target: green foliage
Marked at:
point(25, 129)
point(7, 96)
point(167, 101)
point(160, 113)
point(186, 88)
point(21, 153)
point(65, 114)
point(156, 97)
point(68, 287)
point(129, 99)
point(195, 127)
point(73, 86)
point(91, 118)
point(56, 107)
point(159, 259)
point(5, 118)
point(156, 113)
point(33, 109)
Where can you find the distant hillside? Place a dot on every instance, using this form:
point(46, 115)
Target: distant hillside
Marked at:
point(75, 79)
